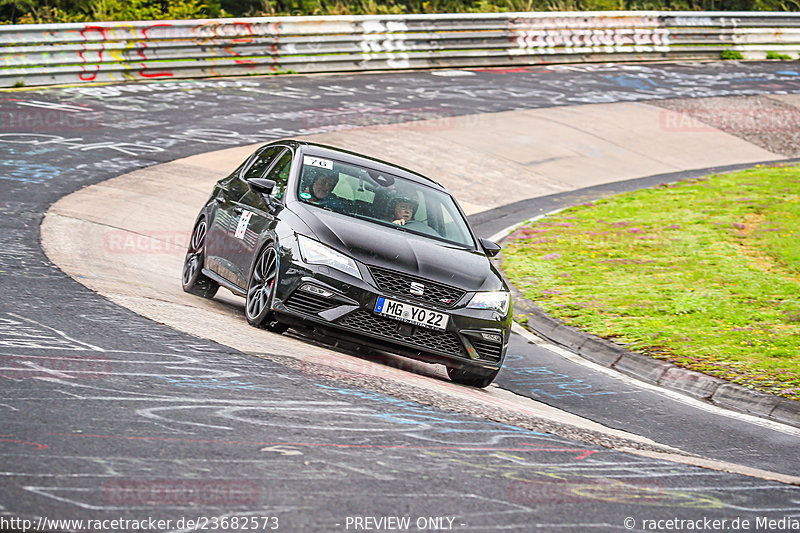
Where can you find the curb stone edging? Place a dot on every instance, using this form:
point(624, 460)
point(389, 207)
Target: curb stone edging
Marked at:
point(700, 386)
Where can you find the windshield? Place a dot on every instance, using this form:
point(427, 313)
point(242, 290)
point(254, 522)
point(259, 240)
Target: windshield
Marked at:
point(382, 199)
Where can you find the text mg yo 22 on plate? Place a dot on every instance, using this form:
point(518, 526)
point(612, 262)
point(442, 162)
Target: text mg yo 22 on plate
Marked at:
point(411, 314)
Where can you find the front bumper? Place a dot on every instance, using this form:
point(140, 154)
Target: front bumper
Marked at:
point(321, 297)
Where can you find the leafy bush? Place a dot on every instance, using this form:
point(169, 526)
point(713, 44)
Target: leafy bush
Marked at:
point(34, 12)
point(776, 55)
point(42, 11)
point(731, 54)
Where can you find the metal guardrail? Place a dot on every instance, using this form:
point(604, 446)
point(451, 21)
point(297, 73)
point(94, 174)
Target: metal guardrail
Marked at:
point(46, 54)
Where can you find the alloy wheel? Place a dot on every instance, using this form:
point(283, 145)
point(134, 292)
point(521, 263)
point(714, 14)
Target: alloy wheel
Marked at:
point(261, 284)
point(194, 255)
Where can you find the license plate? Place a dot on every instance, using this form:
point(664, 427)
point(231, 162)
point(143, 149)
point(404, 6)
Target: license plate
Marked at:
point(411, 314)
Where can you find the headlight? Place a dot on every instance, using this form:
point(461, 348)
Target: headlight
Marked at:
point(316, 253)
point(497, 300)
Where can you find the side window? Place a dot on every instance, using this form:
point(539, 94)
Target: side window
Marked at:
point(261, 162)
point(450, 229)
point(280, 174)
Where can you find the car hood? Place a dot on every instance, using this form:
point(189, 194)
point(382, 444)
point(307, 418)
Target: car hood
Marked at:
point(406, 252)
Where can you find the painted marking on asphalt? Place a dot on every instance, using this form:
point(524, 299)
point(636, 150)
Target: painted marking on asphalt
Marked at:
point(688, 400)
point(546, 382)
point(20, 330)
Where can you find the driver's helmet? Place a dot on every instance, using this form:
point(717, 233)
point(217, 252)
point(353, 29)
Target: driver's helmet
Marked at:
point(401, 198)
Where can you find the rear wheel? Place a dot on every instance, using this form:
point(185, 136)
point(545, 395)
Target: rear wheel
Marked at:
point(261, 290)
point(471, 377)
point(193, 280)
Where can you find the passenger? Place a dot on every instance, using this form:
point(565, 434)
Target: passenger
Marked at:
point(401, 210)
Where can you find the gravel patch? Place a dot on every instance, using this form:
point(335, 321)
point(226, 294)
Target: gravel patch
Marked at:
point(761, 120)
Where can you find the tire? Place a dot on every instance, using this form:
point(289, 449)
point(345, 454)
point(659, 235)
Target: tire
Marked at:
point(467, 376)
point(261, 291)
point(192, 279)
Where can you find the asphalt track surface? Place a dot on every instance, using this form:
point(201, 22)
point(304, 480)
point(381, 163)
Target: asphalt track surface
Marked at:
point(108, 415)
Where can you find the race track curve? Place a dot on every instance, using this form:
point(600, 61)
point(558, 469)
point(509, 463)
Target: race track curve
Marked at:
point(191, 393)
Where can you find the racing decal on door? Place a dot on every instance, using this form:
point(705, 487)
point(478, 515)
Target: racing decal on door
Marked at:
point(244, 221)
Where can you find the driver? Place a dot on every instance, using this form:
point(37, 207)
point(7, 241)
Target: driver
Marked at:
point(401, 210)
point(319, 190)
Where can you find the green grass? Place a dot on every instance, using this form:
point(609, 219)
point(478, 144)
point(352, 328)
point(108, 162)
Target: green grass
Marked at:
point(703, 273)
point(777, 55)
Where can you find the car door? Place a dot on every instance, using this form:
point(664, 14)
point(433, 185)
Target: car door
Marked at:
point(221, 243)
point(255, 216)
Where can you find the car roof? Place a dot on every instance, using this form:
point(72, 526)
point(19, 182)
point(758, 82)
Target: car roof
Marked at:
point(346, 156)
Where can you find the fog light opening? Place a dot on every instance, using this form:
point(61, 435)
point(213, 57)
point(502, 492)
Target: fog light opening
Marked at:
point(492, 337)
point(313, 289)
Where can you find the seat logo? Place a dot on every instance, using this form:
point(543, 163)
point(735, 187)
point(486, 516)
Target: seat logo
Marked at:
point(417, 289)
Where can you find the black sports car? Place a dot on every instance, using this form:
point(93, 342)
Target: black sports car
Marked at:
point(317, 237)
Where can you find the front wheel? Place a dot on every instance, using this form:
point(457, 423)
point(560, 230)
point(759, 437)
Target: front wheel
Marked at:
point(261, 290)
point(193, 280)
point(467, 376)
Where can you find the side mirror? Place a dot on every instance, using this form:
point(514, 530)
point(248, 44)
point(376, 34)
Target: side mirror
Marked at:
point(264, 188)
point(491, 248)
point(261, 186)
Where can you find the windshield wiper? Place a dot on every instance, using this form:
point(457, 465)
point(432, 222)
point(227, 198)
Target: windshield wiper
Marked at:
point(364, 217)
point(320, 206)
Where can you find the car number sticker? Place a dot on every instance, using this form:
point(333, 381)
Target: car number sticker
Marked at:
point(244, 221)
point(317, 162)
point(411, 314)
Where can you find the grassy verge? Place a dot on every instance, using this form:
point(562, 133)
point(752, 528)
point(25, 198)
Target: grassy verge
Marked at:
point(703, 273)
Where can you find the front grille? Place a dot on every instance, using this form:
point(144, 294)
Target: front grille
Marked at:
point(310, 304)
point(422, 338)
point(398, 283)
point(488, 351)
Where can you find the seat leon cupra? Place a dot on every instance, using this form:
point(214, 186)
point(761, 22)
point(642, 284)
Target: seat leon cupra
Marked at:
point(318, 237)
